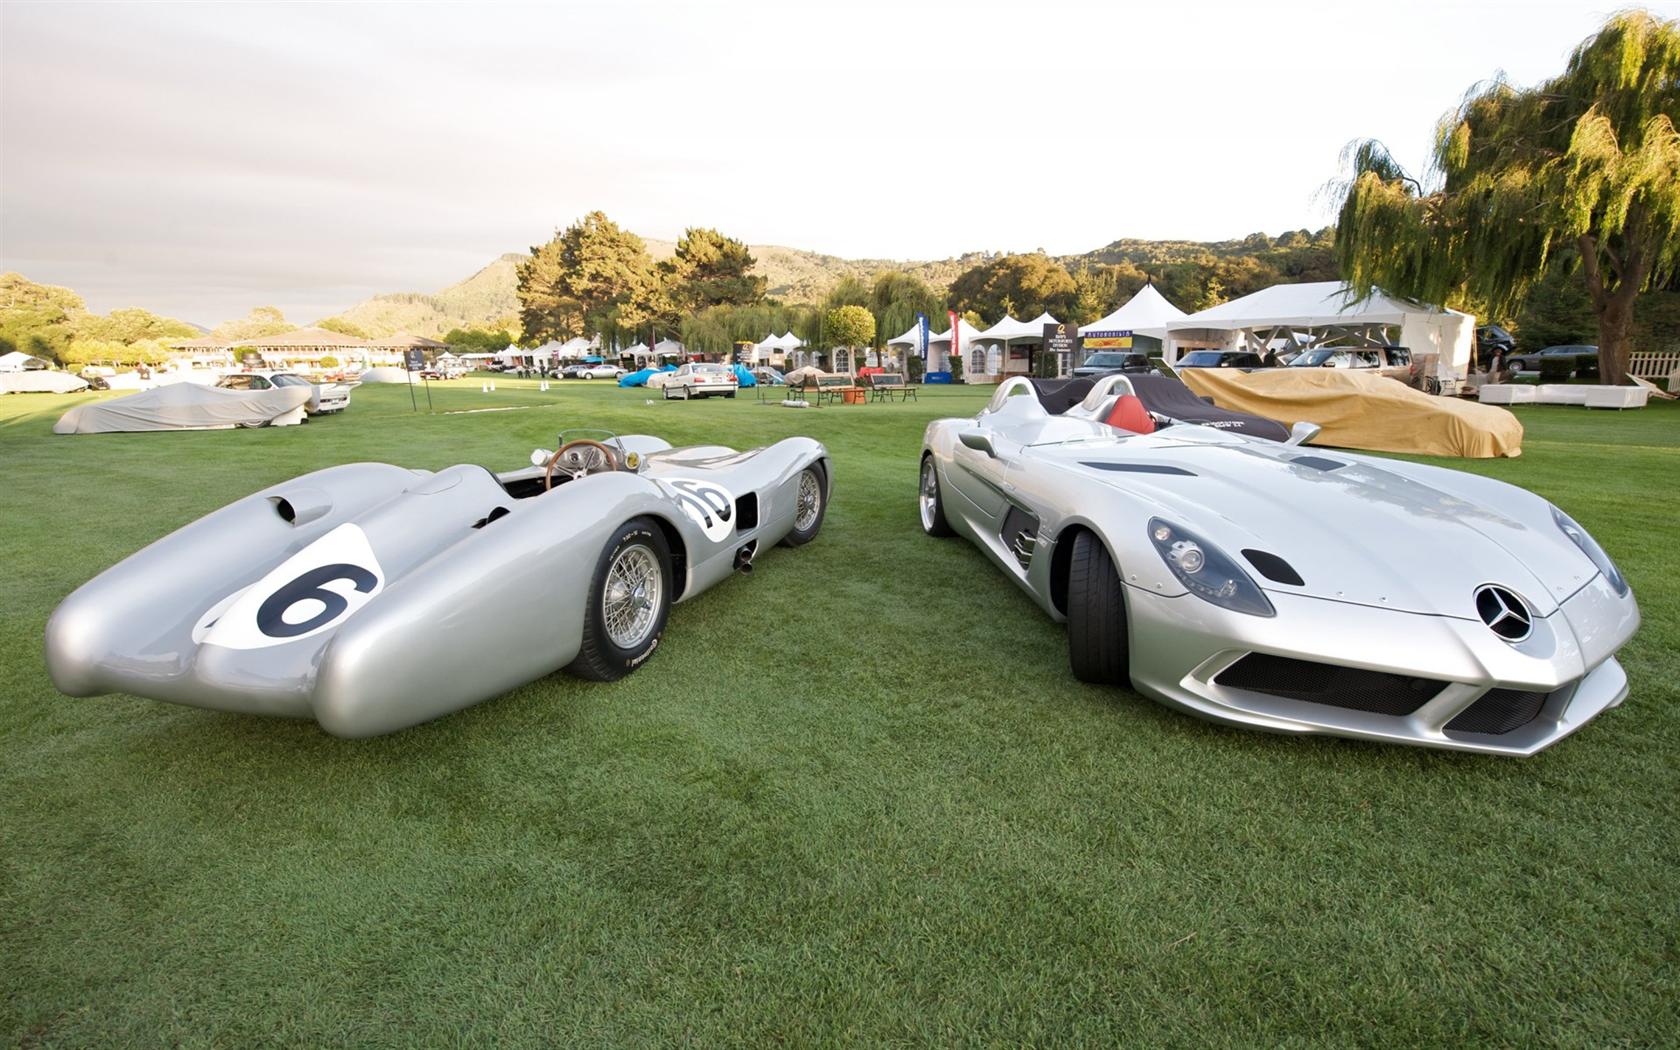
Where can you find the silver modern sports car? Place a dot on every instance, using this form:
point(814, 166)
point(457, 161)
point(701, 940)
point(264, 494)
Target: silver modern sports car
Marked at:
point(1254, 582)
point(371, 598)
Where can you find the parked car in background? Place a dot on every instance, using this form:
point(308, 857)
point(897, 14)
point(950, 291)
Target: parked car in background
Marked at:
point(436, 371)
point(1491, 339)
point(601, 371)
point(324, 398)
point(1105, 362)
point(1221, 359)
point(1531, 362)
point(1392, 361)
point(700, 379)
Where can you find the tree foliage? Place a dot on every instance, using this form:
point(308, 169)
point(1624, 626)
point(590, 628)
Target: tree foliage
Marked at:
point(478, 340)
point(1022, 286)
point(897, 298)
point(343, 327)
point(850, 325)
point(1582, 171)
point(708, 269)
point(263, 320)
point(36, 318)
point(592, 276)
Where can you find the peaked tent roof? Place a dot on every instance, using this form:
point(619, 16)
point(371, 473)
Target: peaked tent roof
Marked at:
point(1009, 330)
point(789, 341)
point(911, 338)
point(1308, 305)
point(1146, 313)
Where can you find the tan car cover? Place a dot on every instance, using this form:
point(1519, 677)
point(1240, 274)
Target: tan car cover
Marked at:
point(186, 406)
point(1359, 410)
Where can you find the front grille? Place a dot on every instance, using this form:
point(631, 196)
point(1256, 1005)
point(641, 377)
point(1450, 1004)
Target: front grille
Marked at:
point(1499, 711)
point(1376, 692)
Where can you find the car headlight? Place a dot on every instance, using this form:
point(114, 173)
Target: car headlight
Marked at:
point(1206, 571)
point(1591, 549)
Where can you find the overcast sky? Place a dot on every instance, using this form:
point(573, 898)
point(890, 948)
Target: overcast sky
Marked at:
point(199, 160)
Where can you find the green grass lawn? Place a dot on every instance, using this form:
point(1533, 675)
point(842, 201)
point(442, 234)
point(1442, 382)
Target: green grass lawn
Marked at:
point(855, 798)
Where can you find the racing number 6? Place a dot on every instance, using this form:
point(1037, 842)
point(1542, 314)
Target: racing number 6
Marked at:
point(311, 585)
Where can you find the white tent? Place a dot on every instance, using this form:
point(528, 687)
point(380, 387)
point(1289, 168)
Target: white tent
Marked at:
point(789, 341)
point(911, 339)
point(507, 355)
point(572, 349)
point(1146, 313)
point(1329, 314)
point(996, 340)
point(663, 348)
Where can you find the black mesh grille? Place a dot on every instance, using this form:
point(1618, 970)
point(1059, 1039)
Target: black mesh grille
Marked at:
point(1373, 691)
point(1499, 711)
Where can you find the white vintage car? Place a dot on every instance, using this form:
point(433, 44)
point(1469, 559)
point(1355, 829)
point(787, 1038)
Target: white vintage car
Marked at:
point(324, 398)
point(699, 379)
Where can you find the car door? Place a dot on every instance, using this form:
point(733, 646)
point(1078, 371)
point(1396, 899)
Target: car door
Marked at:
point(978, 478)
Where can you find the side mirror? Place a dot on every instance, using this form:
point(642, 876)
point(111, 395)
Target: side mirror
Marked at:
point(1301, 433)
point(540, 457)
point(978, 440)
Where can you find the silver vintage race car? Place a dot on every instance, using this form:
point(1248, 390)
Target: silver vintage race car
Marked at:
point(1247, 580)
point(371, 598)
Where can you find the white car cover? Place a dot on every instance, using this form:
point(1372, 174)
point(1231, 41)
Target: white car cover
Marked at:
point(40, 381)
point(187, 406)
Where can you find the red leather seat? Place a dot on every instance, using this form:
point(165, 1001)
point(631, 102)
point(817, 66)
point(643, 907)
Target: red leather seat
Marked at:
point(1128, 413)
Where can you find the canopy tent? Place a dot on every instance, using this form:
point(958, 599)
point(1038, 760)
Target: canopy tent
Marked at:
point(574, 348)
point(663, 348)
point(1147, 314)
point(1328, 313)
point(18, 361)
point(1361, 410)
point(789, 341)
point(507, 354)
point(911, 339)
point(549, 351)
point(989, 353)
point(187, 406)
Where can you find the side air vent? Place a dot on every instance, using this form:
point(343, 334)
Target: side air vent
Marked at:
point(1499, 711)
point(1376, 692)
point(1020, 535)
point(1141, 468)
point(1317, 462)
point(1273, 567)
point(746, 512)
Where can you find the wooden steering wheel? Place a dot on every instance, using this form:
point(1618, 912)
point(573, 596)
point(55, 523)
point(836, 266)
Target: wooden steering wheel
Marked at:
point(579, 443)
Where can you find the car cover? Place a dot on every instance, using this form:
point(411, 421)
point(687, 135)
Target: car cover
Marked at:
point(41, 381)
point(1359, 410)
point(1166, 396)
point(187, 406)
point(744, 377)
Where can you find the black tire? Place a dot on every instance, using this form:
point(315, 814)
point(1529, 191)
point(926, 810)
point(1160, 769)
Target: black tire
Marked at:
point(731, 394)
point(798, 537)
point(1098, 647)
point(933, 522)
point(666, 391)
point(600, 659)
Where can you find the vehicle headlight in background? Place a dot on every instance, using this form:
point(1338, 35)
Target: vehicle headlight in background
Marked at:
point(1206, 572)
point(1591, 549)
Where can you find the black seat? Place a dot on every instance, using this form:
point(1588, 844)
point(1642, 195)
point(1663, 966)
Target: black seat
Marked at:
point(1167, 396)
point(1059, 395)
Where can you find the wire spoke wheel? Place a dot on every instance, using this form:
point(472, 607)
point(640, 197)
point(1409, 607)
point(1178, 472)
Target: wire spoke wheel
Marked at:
point(631, 599)
point(810, 502)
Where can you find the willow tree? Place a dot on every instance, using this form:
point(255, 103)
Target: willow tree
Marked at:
point(1581, 172)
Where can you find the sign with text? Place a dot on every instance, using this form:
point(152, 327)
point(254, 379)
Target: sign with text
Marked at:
point(1061, 338)
point(1113, 340)
point(414, 358)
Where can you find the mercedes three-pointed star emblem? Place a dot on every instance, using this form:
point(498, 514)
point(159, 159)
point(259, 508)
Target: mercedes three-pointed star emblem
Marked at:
point(1504, 612)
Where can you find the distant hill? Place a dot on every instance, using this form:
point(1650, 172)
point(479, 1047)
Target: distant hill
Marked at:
point(490, 298)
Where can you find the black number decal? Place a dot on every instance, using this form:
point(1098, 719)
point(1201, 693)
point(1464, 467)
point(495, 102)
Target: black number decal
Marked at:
point(707, 501)
point(311, 585)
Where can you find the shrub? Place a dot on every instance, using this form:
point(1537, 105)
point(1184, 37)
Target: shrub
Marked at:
point(1586, 366)
point(1556, 367)
point(328, 361)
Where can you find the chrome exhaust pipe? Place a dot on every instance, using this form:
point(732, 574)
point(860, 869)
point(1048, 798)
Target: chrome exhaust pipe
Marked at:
point(744, 558)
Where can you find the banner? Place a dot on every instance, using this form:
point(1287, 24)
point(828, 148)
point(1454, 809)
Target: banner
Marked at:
point(1112, 340)
point(922, 331)
point(956, 343)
